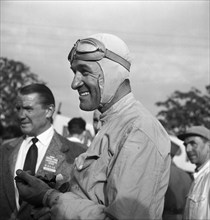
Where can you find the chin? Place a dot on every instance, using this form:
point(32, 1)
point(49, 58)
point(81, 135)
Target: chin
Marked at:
point(87, 107)
point(193, 161)
point(25, 131)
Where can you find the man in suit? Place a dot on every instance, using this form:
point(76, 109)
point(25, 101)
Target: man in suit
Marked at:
point(53, 154)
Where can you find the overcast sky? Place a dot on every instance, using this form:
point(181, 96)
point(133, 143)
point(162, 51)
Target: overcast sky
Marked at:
point(168, 40)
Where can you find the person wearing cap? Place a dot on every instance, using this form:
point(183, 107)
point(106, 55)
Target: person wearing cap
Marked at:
point(197, 143)
point(124, 173)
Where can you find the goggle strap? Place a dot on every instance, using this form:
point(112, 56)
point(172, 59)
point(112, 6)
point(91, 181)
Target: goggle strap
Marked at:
point(118, 59)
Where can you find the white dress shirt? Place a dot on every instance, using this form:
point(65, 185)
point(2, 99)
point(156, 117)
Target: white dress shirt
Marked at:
point(197, 203)
point(74, 139)
point(44, 140)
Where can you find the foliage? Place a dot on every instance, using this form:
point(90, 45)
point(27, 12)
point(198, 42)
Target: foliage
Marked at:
point(13, 75)
point(184, 109)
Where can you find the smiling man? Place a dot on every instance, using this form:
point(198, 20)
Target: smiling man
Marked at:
point(197, 143)
point(85, 83)
point(124, 173)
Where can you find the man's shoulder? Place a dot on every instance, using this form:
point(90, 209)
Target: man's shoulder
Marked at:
point(67, 144)
point(11, 143)
point(60, 138)
point(151, 129)
point(76, 146)
point(72, 150)
point(81, 145)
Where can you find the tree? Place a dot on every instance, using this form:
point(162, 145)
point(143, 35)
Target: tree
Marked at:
point(13, 75)
point(184, 109)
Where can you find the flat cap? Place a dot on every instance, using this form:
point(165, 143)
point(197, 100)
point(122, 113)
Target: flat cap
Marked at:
point(195, 131)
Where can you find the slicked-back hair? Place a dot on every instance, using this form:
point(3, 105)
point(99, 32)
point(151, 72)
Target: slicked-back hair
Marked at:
point(45, 94)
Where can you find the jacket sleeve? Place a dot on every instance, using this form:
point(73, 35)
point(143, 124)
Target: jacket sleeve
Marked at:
point(70, 206)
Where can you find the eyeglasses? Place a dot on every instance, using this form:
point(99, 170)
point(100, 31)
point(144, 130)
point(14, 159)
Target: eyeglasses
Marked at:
point(91, 49)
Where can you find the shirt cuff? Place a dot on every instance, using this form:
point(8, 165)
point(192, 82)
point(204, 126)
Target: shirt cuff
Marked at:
point(50, 197)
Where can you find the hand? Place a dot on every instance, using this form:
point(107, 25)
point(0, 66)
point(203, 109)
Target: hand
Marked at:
point(50, 180)
point(31, 189)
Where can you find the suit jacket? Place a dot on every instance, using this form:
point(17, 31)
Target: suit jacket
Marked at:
point(59, 148)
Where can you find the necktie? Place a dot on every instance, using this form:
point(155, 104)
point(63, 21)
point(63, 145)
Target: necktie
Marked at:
point(31, 157)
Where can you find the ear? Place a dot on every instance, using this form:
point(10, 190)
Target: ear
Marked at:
point(50, 111)
point(208, 143)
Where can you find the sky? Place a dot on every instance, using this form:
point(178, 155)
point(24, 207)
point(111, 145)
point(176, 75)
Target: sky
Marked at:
point(168, 41)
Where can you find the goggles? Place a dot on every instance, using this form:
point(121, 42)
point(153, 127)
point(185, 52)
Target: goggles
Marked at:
point(91, 49)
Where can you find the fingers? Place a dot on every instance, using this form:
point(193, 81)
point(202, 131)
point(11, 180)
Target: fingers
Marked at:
point(19, 179)
point(23, 176)
point(19, 171)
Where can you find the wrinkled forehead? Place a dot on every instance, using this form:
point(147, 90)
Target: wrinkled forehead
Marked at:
point(27, 99)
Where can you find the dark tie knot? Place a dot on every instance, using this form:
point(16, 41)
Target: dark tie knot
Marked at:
point(34, 140)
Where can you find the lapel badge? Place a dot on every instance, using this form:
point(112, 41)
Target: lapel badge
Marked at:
point(50, 164)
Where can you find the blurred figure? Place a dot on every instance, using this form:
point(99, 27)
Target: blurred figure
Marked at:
point(96, 121)
point(197, 143)
point(11, 133)
point(41, 150)
point(77, 129)
point(179, 186)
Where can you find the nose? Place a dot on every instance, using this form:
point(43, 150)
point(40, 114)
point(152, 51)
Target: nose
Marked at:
point(21, 113)
point(77, 81)
point(188, 147)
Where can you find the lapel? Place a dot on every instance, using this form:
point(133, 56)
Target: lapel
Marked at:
point(53, 154)
point(9, 160)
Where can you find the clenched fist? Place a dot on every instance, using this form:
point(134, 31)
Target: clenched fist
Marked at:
point(31, 189)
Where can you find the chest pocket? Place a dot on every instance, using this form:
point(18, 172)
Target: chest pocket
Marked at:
point(196, 198)
point(91, 174)
point(196, 202)
point(91, 166)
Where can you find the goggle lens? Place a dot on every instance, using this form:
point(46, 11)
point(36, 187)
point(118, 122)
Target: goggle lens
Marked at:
point(93, 50)
point(86, 46)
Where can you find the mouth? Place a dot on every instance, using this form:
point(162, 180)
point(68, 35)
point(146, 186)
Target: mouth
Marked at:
point(83, 94)
point(23, 124)
point(192, 157)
